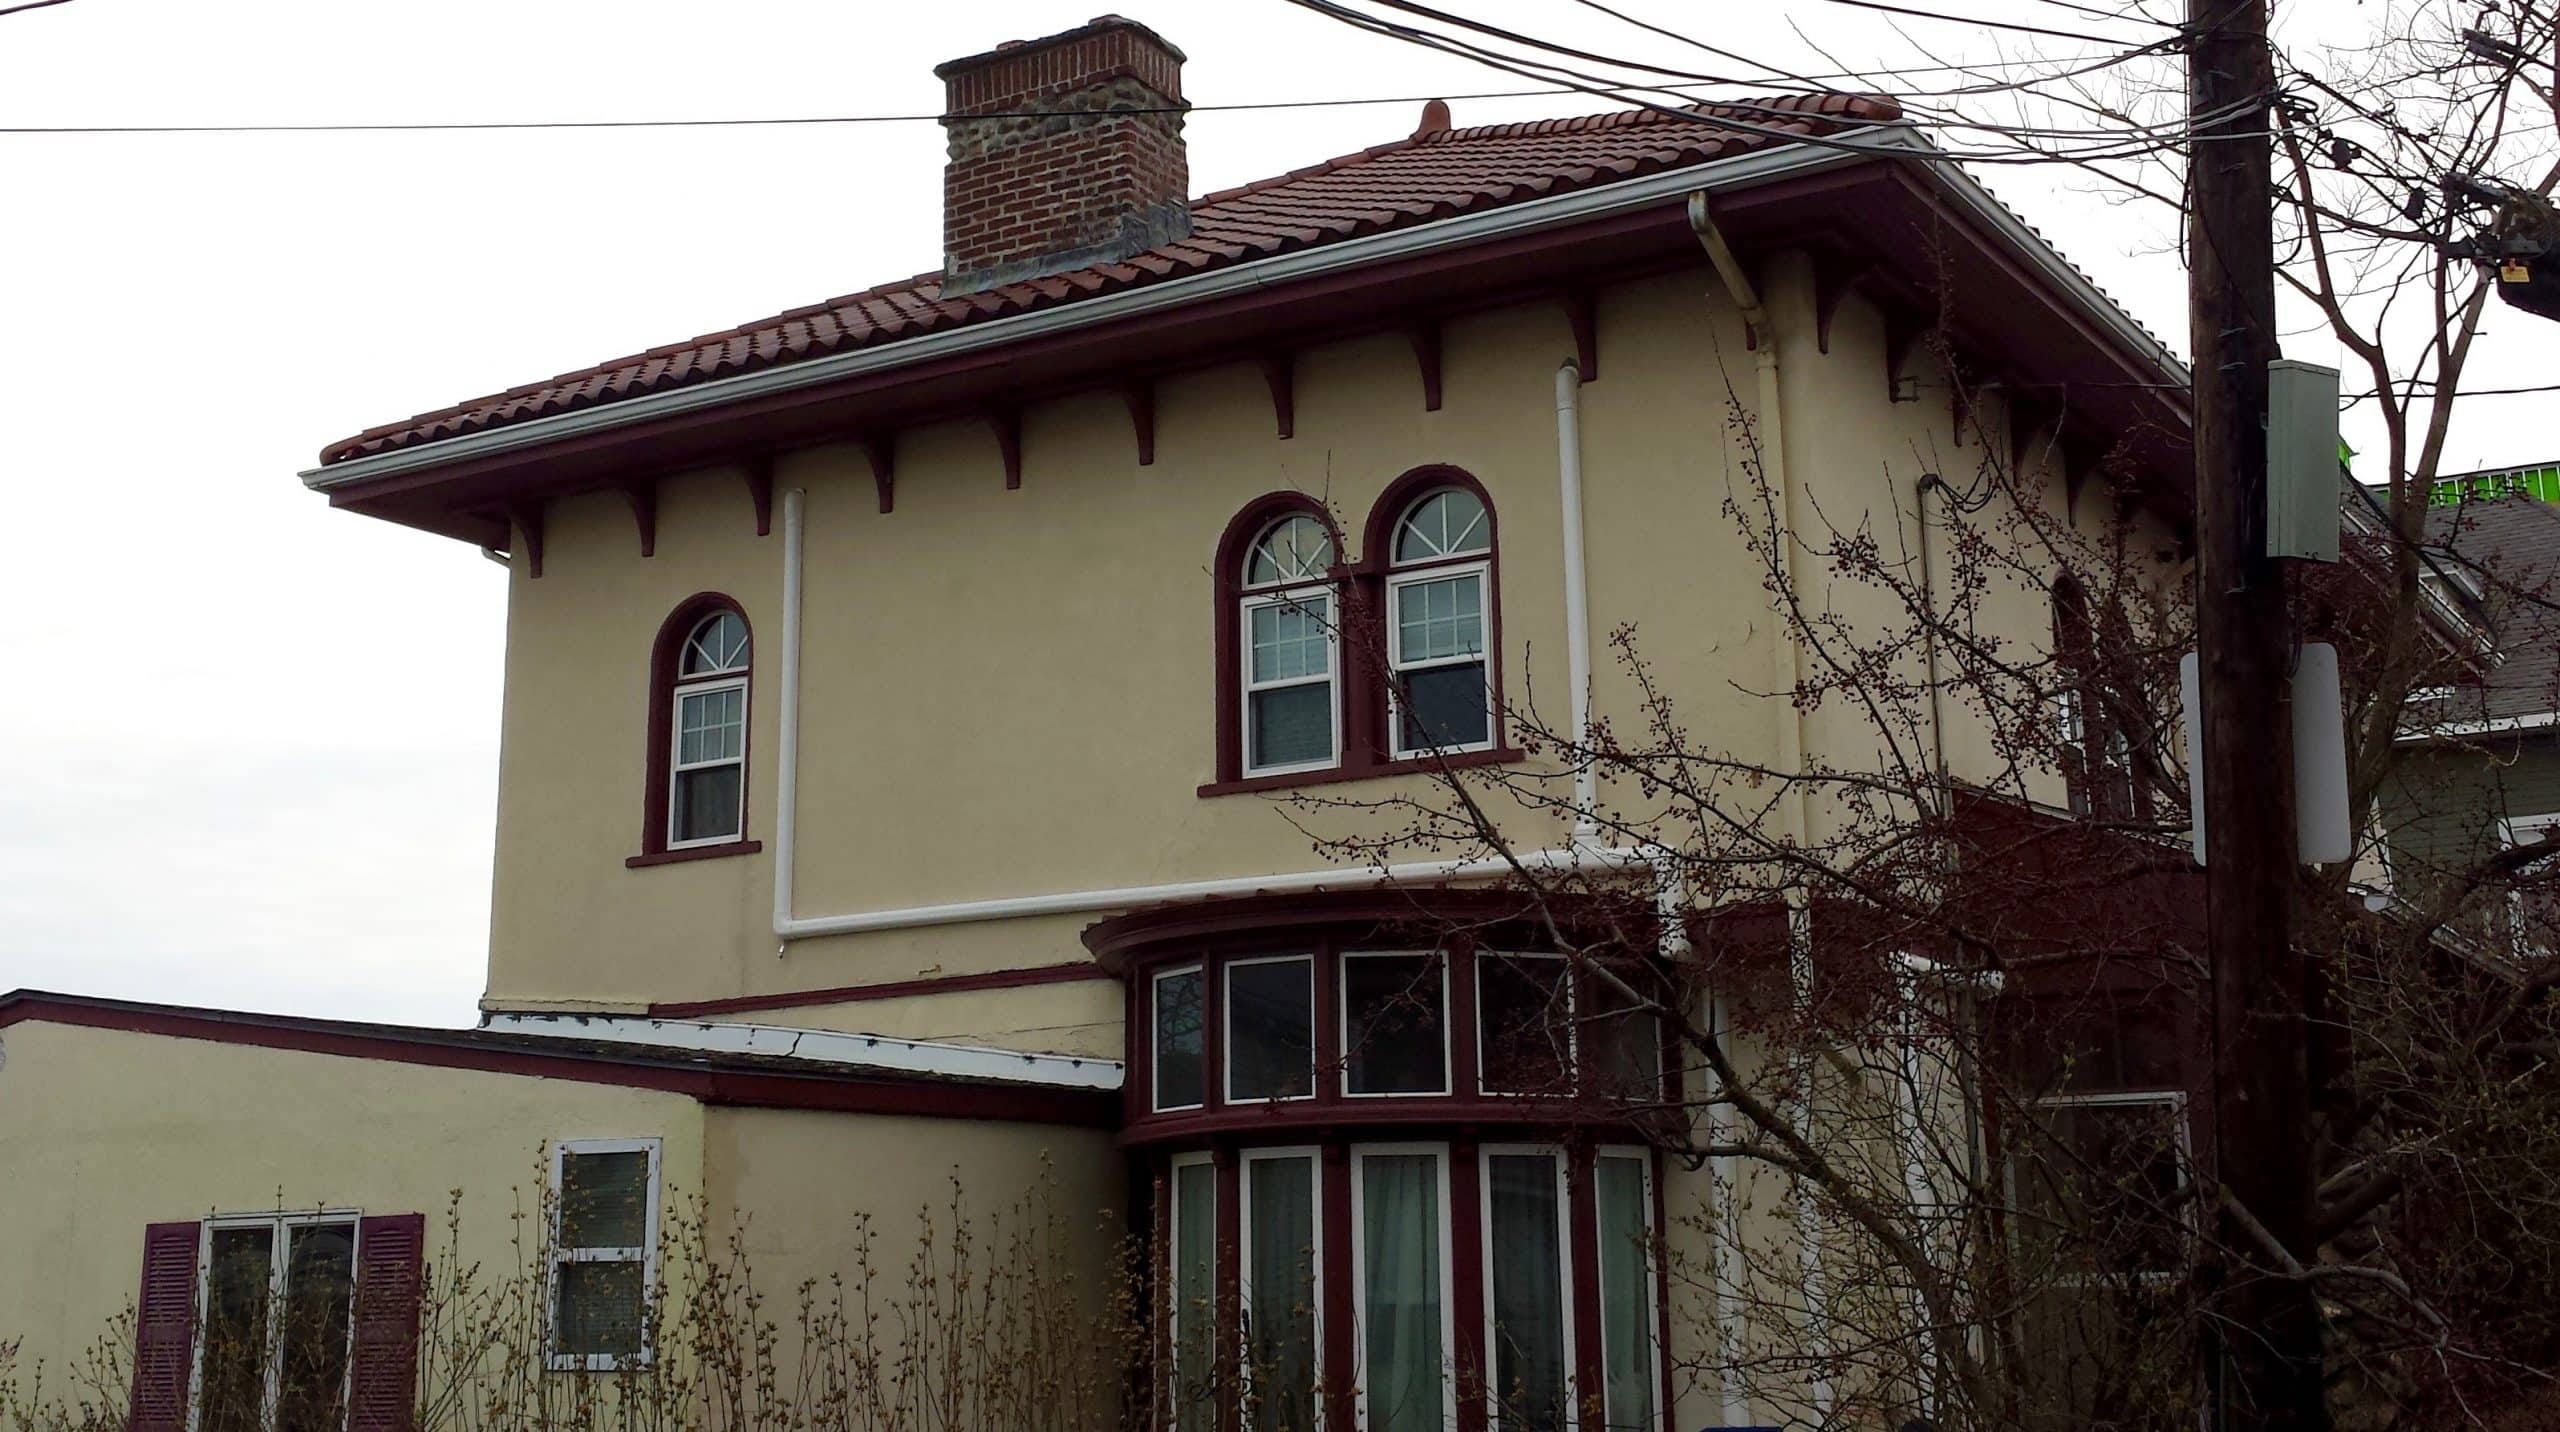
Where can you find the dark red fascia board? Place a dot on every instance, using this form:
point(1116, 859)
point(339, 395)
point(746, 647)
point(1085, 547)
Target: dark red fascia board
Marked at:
point(2002, 308)
point(461, 1049)
point(1069, 973)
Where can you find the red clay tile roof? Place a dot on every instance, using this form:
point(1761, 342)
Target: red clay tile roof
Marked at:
point(1431, 175)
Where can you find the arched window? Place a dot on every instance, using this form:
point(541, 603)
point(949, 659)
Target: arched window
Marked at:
point(1440, 692)
point(697, 783)
point(1289, 620)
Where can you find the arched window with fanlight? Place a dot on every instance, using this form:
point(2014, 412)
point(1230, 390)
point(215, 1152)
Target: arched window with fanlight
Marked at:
point(697, 787)
point(1289, 624)
point(1438, 609)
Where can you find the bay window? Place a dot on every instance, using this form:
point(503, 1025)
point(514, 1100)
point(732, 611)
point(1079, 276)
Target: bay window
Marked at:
point(1400, 1201)
point(1271, 1028)
point(1279, 1292)
point(1395, 1027)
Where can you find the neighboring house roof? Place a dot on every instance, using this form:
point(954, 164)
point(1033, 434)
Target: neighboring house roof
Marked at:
point(2514, 544)
point(729, 1075)
point(1434, 174)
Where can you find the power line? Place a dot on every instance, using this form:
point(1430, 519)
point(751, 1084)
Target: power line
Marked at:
point(30, 5)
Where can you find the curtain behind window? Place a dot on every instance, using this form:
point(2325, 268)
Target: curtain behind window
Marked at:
point(1400, 1252)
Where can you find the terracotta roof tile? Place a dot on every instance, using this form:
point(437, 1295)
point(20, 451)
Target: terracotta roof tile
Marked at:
point(1435, 174)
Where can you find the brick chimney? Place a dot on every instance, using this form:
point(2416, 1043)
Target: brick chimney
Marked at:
point(1055, 161)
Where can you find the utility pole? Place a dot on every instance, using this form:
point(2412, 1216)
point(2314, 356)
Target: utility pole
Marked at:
point(2265, 1369)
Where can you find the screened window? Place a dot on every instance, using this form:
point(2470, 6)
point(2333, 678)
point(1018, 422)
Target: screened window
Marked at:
point(1622, 1190)
point(278, 1304)
point(1400, 1218)
point(1271, 1031)
point(603, 1252)
point(1524, 1007)
point(1395, 1027)
point(1291, 626)
point(1528, 1338)
point(1194, 1313)
point(707, 778)
point(1181, 1010)
point(1279, 1290)
point(1440, 694)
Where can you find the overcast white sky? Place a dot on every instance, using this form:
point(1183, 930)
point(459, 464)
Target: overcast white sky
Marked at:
point(248, 748)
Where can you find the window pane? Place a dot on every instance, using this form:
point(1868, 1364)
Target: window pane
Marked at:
point(1402, 1368)
point(1290, 550)
point(604, 1200)
point(1271, 1035)
point(1280, 1312)
point(711, 725)
point(1444, 706)
point(599, 1309)
point(1626, 1320)
point(1195, 1292)
point(1395, 1031)
point(235, 1330)
point(1442, 618)
point(319, 1284)
point(707, 802)
point(1292, 639)
point(1528, 1024)
point(1178, 1015)
point(1527, 1339)
point(1623, 1054)
point(1291, 726)
point(1447, 522)
point(719, 643)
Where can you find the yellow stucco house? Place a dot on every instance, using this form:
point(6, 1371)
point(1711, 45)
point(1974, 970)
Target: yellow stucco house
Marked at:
point(902, 698)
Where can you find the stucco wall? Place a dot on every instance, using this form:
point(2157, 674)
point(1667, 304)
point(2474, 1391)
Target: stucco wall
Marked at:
point(103, 1132)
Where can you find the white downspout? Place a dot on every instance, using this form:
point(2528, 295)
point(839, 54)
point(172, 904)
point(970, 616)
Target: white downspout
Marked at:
point(786, 801)
point(1577, 598)
point(1787, 659)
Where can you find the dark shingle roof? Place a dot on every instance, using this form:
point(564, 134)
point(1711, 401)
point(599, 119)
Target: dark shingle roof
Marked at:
point(1434, 174)
point(2514, 544)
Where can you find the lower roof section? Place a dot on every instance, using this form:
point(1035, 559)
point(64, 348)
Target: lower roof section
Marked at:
point(723, 1070)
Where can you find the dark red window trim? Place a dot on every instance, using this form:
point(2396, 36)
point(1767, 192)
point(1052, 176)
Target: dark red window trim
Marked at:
point(1366, 745)
point(664, 655)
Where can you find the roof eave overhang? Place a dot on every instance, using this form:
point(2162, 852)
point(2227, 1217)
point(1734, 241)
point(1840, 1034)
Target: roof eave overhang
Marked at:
point(461, 485)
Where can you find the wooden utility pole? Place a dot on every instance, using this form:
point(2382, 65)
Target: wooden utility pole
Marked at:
point(2265, 1339)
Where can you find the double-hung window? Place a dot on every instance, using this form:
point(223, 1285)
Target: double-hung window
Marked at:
point(1438, 693)
point(707, 774)
point(604, 1253)
point(1291, 621)
point(279, 1294)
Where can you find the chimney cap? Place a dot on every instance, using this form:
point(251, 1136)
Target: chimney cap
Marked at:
point(1013, 48)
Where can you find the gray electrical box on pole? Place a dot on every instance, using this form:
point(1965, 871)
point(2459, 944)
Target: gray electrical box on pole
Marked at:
point(2302, 461)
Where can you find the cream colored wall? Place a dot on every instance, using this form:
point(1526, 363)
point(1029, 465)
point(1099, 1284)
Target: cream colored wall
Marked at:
point(812, 1184)
point(1011, 692)
point(103, 1132)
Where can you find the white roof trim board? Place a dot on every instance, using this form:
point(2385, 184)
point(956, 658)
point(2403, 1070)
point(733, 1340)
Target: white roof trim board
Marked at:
point(822, 1046)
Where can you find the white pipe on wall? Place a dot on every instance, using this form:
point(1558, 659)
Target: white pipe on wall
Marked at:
point(786, 802)
point(1577, 594)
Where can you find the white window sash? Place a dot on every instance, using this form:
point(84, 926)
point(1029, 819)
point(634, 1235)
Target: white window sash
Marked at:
point(1485, 1156)
point(646, 1256)
point(678, 767)
point(1289, 596)
point(279, 1228)
point(1155, 1039)
point(1439, 1154)
point(1397, 666)
point(1244, 1260)
point(1227, 1029)
point(1343, 1024)
point(1642, 1158)
point(1484, 1032)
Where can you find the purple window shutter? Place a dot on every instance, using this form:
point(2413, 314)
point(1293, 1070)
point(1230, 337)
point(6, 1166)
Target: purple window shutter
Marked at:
point(165, 1327)
point(390, 1272)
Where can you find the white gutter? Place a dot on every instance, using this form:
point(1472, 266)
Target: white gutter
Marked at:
point(2481, 726)
point(1895, 141)
point(1577, 598)
point(821, 1046)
